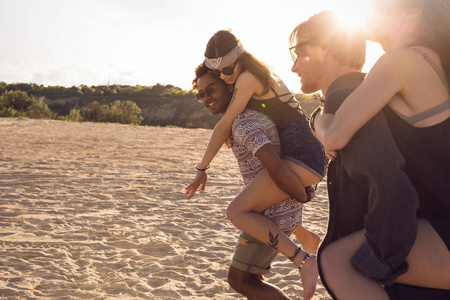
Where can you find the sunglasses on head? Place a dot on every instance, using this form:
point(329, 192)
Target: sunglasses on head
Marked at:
point(210, 90)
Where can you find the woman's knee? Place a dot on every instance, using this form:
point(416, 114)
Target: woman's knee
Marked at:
point(233, 212)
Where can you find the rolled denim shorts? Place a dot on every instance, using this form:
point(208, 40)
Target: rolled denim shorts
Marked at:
point(253, 256)
point(299, 145)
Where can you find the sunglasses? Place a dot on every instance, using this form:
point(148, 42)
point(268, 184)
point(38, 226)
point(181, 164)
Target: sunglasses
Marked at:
point(293, 50)
point(226, 71)
point(210, 90)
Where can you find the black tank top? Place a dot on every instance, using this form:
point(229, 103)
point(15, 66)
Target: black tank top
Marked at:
point(283, 109)
point(426, 150)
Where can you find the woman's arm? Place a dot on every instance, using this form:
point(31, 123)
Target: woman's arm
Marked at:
point(385, 79)
point(245, 87)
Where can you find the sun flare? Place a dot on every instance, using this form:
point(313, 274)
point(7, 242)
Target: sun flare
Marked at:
point(353, 14)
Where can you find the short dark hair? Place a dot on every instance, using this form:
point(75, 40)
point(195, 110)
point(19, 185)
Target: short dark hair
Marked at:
point(201, 70)
point(346, 45)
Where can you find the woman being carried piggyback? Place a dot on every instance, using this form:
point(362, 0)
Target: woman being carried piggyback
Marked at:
point(256, 87)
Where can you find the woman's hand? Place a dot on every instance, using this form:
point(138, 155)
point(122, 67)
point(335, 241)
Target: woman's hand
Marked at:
point(200, 180)
point(229, 142)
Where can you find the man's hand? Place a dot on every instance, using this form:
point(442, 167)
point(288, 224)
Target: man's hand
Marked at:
point(200, 180)
point(331, 155)
point(311, 191)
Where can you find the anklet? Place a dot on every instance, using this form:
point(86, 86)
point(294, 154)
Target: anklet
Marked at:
point(307, 255)
point(296, 252)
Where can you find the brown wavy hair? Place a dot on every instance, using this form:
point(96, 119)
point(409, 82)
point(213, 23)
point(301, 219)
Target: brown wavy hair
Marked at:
point(223, 41)
point(434, 28)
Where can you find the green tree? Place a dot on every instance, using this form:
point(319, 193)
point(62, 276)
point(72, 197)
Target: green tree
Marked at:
point(40, 110)
point(125, 112)
point(16, 100)
point(74, 116)
point(3, 86)
point(19, 104)
point(95, 112)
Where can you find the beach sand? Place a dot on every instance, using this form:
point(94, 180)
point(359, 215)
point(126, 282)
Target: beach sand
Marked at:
point(97, 211)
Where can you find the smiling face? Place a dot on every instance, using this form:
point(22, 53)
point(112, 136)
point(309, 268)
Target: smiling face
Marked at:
point(308, 66)
point(217, 96)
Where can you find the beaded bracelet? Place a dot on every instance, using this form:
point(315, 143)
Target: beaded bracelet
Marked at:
point(198, 169)
point(307, 255)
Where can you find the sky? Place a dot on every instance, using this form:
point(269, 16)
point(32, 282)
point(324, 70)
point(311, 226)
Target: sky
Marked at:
point(145, 42)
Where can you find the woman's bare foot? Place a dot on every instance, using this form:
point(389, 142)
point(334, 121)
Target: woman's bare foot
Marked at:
point(309, 274)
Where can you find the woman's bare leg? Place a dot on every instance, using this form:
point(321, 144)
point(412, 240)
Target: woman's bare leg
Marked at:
point(342, 277)
point(429, 260)
point(245, 213)
point(309, 240)
point(262, 191)
point(429, 265)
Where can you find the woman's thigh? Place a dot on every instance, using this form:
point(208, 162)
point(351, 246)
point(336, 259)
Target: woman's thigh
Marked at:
point(263, 192)
point(429, 260)
point(306, 177)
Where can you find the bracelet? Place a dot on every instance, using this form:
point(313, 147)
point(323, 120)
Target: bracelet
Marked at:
point(297, 251)
point(307, 255)
point(198, 169)
point(313, 117)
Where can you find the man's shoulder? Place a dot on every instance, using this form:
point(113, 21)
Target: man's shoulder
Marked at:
point(340, 89)
point(254, 126)
point(251, 116)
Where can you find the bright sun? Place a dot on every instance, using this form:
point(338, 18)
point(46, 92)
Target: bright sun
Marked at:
point(353, 13)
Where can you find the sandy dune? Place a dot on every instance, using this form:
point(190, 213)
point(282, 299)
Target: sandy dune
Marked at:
point(97, 211)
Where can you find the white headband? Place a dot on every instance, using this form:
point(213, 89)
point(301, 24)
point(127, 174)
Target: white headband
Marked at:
point(226, 60)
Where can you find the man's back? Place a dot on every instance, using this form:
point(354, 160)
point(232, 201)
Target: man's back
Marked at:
point(251, 130)
point(364, 183)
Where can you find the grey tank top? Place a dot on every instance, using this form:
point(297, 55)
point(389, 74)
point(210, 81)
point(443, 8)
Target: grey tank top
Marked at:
point(431, 111)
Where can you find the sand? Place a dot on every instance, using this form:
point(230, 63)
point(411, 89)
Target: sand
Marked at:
point(97, 211)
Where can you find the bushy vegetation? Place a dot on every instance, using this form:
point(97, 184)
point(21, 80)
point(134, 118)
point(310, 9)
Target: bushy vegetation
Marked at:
point(123, 112)
point(157, 90)
point(163, 105)
point(19, 104)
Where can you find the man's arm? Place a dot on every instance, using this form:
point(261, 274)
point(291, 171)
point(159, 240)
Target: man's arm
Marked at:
point(280, 173)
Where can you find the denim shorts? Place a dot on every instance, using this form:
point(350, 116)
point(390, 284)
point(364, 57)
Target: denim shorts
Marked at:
point(253, 256)
point(299, 145)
